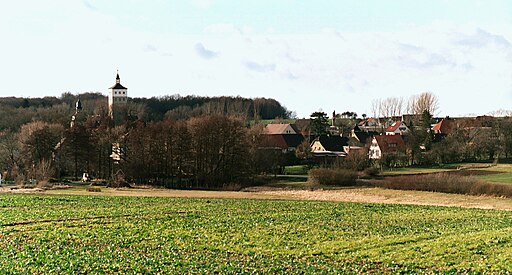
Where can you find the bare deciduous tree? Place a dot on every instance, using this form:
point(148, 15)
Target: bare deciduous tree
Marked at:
point(388, 107)
point(425, 101)
point(375, 108)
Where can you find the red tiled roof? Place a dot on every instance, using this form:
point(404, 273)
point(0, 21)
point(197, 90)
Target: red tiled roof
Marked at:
point(394, 126)
point(284, 141)
point(366, 122)
point(445, 126)
point(277, 141)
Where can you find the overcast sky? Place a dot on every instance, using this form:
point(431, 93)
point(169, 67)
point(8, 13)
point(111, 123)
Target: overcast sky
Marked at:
point(310, 55)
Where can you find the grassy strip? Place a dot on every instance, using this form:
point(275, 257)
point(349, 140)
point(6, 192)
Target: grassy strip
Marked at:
point(505, 178)
point(296, 170)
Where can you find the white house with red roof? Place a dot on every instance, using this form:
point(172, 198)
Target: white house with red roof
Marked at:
point(397, 128)
point(386, 144)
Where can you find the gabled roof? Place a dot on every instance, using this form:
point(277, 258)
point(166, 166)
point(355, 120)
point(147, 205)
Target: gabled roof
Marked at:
point(445, 126)
point(362, 136)
point(281, 129)
point(333, 143)
point(393, 127)
point(390, 143)
point(368, 122)
point(284, 141)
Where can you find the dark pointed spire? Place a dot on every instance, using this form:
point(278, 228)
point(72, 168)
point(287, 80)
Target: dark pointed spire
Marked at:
point(118, 83)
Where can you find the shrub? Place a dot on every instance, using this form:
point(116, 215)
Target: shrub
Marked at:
point(357, 160)
point(44, 184)
point(336, 177)
point(446, 183)
point(372, 171)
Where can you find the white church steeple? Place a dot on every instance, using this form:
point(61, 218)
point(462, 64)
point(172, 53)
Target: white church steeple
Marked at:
point(118, 96)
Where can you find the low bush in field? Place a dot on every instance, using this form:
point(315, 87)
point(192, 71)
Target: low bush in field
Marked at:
point(372, 171)
point(336, 177)
point(446, 183)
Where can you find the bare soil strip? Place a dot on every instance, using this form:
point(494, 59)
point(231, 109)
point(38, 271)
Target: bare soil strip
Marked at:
point(357, 194)
point(387, 196)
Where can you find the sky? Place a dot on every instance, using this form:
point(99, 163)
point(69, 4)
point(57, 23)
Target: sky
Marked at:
point(309, 55)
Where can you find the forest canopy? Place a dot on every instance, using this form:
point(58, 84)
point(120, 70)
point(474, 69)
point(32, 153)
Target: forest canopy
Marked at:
point(21, 110)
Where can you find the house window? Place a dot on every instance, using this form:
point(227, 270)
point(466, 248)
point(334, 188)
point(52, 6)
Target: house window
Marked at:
point(392, 145)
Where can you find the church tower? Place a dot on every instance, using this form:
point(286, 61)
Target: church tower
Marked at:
point(118, 96)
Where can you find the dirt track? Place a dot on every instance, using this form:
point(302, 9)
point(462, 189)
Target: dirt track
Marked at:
point(387, 196)
point(363, 195)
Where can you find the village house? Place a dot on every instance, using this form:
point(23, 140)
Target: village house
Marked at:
point(360, 136)
point(370, 125)
point(329, 146)
point(386, 144)
point(444, 127)
point(397, 128)
point(285, 137)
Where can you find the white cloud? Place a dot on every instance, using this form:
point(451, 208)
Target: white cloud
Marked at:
point(205, 53)
point(89, 5)
point(253, 66)
point(348, 73)
point(482, 38)
point(150, 48)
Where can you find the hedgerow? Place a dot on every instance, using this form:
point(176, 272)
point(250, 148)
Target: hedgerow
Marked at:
point(445, 183)
point(331, 176)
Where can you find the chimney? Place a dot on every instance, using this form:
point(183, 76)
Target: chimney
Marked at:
point(333, 117)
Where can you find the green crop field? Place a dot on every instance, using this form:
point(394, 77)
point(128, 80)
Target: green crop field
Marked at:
point(80, 234)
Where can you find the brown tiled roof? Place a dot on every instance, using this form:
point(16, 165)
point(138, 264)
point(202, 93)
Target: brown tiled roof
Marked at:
point(366, 122)
point(386, 143)
point(284, 141)
point(445, 126)
point(279, 129)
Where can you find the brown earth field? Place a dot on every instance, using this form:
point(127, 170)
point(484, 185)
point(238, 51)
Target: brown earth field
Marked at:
point(355, 194)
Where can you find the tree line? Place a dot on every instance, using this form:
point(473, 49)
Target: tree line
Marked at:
point(176, 107)
point(209, 148)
